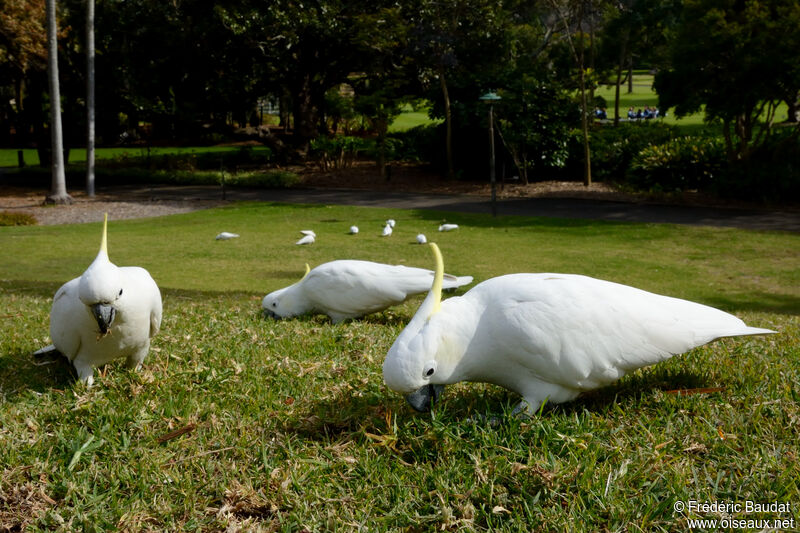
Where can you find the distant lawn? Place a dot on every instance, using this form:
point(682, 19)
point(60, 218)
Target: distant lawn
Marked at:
point(411, 118)
point(643, 94)
point(241, 423)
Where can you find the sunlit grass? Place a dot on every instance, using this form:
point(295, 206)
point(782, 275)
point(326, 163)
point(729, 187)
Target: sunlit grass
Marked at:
point(242, 423)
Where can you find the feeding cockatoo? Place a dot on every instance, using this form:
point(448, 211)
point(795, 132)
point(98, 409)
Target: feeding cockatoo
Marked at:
point(421, 239)
point(225, 235)
point(548, 337)
point(308, 237)
point(448, 227)
point(387, 230)
point(350, 288)
point(107, 313)
point(353, 230)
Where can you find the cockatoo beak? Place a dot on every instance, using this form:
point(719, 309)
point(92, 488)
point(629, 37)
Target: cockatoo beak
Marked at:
point(425, 397)
point(104, 314)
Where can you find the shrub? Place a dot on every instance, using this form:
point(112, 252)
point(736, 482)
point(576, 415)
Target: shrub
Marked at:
point(613, 148)
point(420, 143)
point(678, 165)
point(16, 219)
point(336, 152)
point(772, 171)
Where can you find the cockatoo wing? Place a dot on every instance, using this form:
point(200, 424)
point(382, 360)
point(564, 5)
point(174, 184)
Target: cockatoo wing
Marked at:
point(580, 332)
point(68, 317)
point(148, 301)
point(308, 239)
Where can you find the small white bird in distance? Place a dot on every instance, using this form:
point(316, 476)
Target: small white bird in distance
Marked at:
point(107, 313)
point(391, 222)
point(308, 237)
point(421, 239)
point(224, 236)
point(387, 230)
point(448, 227)
point(350, 288)
point(548, 337)
point(353, 230)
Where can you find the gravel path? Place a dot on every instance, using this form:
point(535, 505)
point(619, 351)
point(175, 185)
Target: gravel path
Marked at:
point(145, 201)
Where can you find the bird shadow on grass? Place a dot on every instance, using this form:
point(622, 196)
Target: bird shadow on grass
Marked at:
point(494, 404)
point(21, 372)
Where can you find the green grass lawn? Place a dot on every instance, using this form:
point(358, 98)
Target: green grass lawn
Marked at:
point(288, 426)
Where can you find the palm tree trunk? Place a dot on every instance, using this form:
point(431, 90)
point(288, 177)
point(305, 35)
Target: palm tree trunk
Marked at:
point(58, 189)
point(90, 98)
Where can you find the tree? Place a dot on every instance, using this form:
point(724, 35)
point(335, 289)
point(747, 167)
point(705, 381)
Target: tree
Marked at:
point(23, 53)
point(534, 123)
point(573, 14)
point(459, 48)
point(737, 59)
point(58, 190)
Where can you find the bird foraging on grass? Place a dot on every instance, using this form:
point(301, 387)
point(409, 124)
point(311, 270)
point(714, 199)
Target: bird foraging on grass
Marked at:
point(107, 313)
point(308, 237)
point(548, 337)
point(350, 288)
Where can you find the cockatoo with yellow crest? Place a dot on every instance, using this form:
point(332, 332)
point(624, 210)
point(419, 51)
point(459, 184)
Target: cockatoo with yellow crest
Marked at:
point(548, 337)
point(350, 289)
point(107, 313)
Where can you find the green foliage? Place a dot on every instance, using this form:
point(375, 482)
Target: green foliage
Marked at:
point(420, 143)
point(613, 148)
point(337, 151)
point(736, 60)
point(8, 218)
point(534, 120)
point(678, 165)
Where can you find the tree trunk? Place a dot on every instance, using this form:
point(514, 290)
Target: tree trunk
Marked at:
point(90, 98)
point(630, 75)
point(305, 114)
point(448, 120)
point(620, 65)
point(587, 161)
point(58, 190)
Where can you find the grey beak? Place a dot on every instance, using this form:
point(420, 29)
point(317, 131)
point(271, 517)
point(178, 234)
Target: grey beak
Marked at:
point(272, 314)
point(104, 315)
point(423, 399)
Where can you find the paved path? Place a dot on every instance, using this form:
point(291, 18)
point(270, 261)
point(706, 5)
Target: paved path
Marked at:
point(759, 219)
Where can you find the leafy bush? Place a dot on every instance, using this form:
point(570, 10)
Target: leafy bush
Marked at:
point(772, 172)
point(613, 148)
point(16, 219)
point(337, 152)
point(678, 165)
point(420, 143)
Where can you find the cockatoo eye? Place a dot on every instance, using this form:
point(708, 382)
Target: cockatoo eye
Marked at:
point(274, 304)
point(430, 369)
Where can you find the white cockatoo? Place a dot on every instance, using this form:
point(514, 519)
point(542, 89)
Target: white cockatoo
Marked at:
point(387, 230)
point(107, 313)
point(421, 239)
point(448, 227)
point(350, 288)
point(548, 337)
point(308, 237)
point(353, 230)
point(225, 235)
